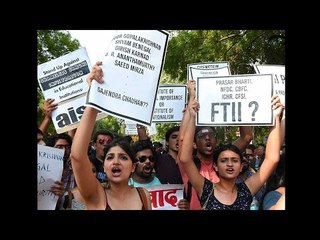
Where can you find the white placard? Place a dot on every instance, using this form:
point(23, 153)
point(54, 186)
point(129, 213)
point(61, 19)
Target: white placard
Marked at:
point(65, 77)
point(171, 100)
point(131, 128)
point(165, 196)
point(209, 69)
point(68, 114)
point(279, 78)
point(50, 166)
point(236, 100)
point(131, 70)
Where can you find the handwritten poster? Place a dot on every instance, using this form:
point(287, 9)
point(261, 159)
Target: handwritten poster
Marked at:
point(50, 166)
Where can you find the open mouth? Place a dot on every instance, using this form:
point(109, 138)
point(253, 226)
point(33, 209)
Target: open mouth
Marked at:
point(147, 169)
point(208, 146)
point(116, 171)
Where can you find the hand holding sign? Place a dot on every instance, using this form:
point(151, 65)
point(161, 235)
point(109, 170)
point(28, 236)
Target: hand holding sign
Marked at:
point(96, 73)
point(192, 89)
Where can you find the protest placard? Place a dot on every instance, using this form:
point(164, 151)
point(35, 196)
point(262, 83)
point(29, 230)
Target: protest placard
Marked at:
point(235, 100)
point(50, 166)
point(165, 196)
point(131, 72)
point(279, 78)
point(207, 69)
point(171, 100)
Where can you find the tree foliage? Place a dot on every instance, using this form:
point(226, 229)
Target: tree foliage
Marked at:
point(238, 47)
point(53, 44)
point(111, 123)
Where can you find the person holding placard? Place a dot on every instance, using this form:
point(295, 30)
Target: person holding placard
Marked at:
point(226, 194)
point(119, 164)
point(205, 142)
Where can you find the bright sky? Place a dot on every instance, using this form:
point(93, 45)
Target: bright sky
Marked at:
point(95, 41)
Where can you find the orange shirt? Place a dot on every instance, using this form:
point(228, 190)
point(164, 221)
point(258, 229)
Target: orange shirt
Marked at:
point(206, 170)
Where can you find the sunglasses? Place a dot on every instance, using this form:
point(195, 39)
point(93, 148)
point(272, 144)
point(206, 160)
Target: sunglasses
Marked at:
point(142, 159)
point(204, 134)
point(104, 141)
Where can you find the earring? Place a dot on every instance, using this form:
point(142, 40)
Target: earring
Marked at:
point(131, 182)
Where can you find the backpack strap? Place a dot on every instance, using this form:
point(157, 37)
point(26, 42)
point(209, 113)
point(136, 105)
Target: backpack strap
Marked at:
point(146, 203)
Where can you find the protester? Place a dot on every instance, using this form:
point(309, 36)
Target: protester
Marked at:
point(205, 142)
point(226, 194)
point(119, 163)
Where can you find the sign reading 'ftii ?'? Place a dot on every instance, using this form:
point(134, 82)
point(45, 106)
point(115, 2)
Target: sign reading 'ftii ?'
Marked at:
point(235, 100)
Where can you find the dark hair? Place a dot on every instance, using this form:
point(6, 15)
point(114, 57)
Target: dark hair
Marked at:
point(53, 139)
point(101, 132)
point(124, 145)
point(127, 138)
point(225, 147)
point(251, 147)
point(170, 131)
point(157, 144)
point(142, 145)
point(262, 145)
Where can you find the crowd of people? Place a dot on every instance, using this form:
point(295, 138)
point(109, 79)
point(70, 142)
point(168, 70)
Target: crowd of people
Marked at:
point(103, 171)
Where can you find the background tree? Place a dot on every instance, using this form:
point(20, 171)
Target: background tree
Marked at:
point(110, 123)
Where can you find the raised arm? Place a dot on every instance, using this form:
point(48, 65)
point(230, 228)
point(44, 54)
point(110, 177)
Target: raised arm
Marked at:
point(186, 135)
point(272, 155)
point(142, 132)
point(186, 117)
point(48, 107)
point(86, 181)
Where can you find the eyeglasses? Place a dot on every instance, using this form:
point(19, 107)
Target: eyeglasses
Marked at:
point(104, 141)
point(204, 134)
point(142, 159)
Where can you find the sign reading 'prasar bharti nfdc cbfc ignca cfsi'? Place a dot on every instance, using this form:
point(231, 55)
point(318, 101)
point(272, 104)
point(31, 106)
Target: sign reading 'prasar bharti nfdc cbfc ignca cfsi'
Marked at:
point(236, 100)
